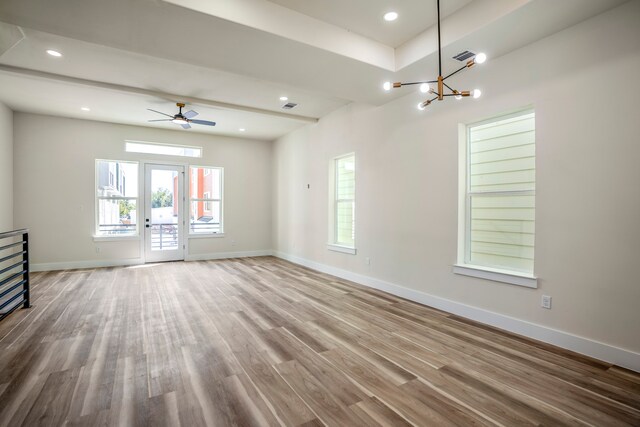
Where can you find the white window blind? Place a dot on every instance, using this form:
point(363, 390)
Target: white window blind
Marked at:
point(345, 192)
point(500, 229)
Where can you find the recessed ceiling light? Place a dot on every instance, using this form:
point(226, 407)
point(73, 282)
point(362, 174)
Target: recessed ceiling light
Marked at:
point(284, 98)
point(85, 108)
point(54, 53)
point(390, 16)
point(242, 129)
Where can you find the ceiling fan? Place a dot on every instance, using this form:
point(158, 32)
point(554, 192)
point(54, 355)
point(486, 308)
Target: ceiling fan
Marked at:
point(182, 119)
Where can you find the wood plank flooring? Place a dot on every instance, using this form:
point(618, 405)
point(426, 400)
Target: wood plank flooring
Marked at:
point(260, 341)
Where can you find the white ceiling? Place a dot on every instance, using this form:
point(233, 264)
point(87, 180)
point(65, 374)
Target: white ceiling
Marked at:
point(365, 17)
point(233, 59)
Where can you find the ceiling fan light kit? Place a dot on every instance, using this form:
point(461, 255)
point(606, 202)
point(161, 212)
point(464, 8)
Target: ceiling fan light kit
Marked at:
point(439, 91)
point(182, 119)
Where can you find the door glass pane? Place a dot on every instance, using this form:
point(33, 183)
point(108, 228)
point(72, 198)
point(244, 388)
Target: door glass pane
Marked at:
point(164, 210)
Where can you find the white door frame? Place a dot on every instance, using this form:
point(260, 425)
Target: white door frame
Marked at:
point(179, 252)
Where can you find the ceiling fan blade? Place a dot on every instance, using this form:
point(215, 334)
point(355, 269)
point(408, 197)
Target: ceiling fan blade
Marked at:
point(186, 126)
point(190, 114)
point(203, 122)
point(160, 120)
point(160, 112)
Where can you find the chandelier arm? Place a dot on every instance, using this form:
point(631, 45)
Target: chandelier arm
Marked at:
point(418, 83)
point(449, 87)
point(461, 93)
point(455, 72)
point(439, 95)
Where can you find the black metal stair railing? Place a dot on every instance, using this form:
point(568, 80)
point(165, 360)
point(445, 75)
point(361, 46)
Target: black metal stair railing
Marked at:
point(14, 271)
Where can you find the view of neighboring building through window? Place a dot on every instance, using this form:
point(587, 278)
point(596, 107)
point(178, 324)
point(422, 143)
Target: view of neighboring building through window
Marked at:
point(344, 201)
point(205, 199)
point(207, 196)
point(116, 198)
point(500, 193)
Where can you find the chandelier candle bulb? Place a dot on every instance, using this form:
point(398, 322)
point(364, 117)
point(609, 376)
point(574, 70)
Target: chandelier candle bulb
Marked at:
point(423, 105)
point(424, 88)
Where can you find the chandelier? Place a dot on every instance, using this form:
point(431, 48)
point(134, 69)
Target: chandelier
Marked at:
point(439, 92)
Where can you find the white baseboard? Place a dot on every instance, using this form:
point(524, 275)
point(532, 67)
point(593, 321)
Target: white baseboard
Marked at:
point(608, 353)
point(223, 255)
point(74, 265)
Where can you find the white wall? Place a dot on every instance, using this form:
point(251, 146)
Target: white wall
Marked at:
point(583, 83)
point(6, 168)
point(55, 188)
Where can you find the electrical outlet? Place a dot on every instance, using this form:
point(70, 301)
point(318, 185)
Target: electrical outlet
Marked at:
point(233, 243)
point(367, 261)
point(546, 301)
point(97, 249)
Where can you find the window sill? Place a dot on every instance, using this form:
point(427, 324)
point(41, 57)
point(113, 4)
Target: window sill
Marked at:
point(205, 235)
point(497, 275)
point(114, 238)
point(340, 248)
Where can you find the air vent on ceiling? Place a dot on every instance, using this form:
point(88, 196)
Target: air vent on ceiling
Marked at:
point(463, 56)
point(289, 105)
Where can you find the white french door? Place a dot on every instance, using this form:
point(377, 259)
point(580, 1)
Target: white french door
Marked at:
point(164, 212)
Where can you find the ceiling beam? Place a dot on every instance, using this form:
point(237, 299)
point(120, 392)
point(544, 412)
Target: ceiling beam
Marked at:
point(152, 93)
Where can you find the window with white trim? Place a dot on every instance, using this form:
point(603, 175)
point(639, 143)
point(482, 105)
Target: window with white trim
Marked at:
point(342, 225)
point(116, 198)
point(499, 195)
point(205, 200)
